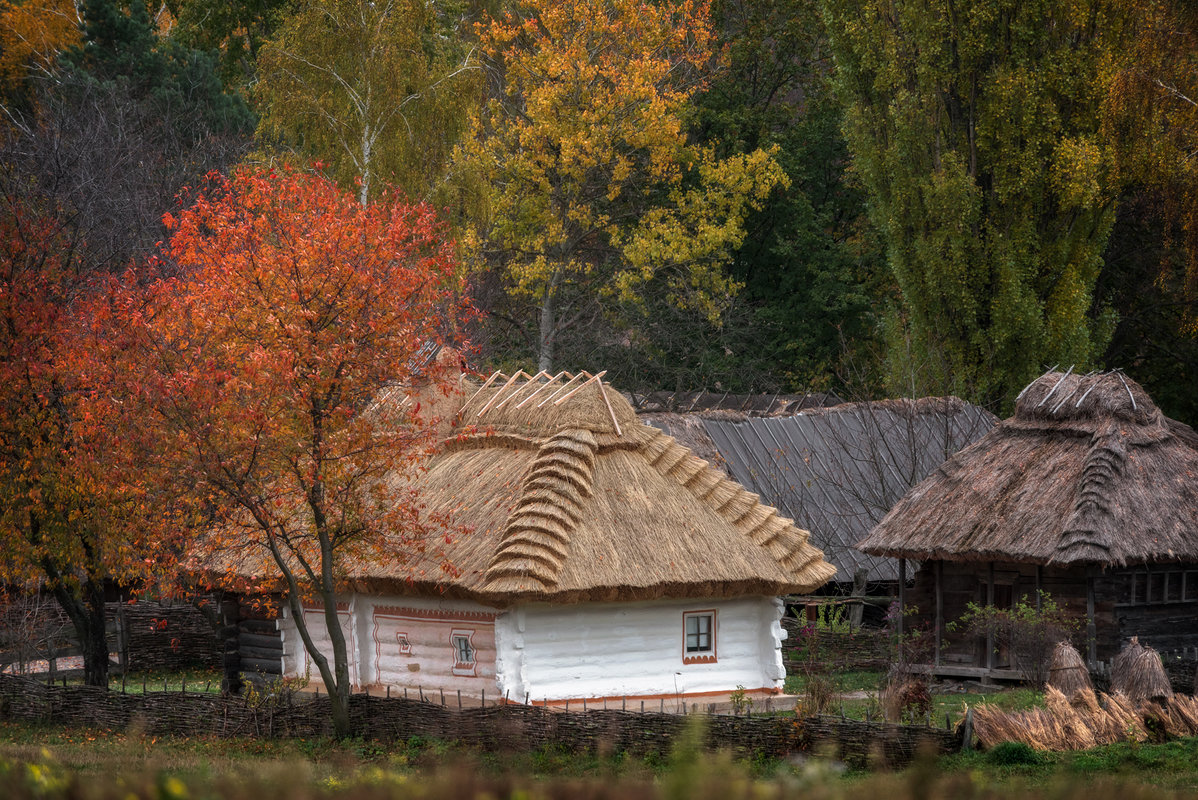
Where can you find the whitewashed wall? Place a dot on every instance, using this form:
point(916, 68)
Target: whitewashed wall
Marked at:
point(554, 652)
point(628, 649)
point(377, 657)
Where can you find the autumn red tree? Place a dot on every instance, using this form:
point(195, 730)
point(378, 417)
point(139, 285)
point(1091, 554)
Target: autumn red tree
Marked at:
point(292, 308)
point(72, 494)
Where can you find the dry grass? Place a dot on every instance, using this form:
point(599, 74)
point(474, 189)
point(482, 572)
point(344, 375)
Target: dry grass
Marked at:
point(1138, 673)
point(1067, 671)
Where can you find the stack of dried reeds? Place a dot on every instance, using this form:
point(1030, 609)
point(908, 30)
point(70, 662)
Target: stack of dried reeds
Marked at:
point(1087, 719)
point(1138, 673)
point(1067, 672)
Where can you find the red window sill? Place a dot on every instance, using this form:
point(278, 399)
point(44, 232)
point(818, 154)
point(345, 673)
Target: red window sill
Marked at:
point(704, 659)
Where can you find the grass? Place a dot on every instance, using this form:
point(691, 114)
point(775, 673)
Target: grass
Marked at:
point(49, 763)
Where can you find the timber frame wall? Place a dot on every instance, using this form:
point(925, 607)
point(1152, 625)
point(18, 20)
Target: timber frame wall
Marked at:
point(1158, 603)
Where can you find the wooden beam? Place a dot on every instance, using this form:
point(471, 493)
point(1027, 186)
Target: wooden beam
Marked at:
point(939, 574)
point(1039, 584)
point(1091, 628)
point(990, 631)
point(902, 598)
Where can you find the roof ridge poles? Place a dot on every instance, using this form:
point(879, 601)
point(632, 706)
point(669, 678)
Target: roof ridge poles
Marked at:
point(490, 380)
point(542, 387)
point(562, 388)
point(579, 387)
point(610, 411)
point(501, 390)
point(1056, 386)
point(1019, 396)
point(519, 389)
point(1130, 396)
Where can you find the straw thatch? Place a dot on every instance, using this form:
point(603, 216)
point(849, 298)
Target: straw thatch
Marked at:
point(1087, 720)
point(1138, 673)
point(567, 497)
point(1088, 471)
point(1067, 671)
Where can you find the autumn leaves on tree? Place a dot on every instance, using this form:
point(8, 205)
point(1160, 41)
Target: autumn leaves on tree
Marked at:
point(265, 368)
point(591, 185)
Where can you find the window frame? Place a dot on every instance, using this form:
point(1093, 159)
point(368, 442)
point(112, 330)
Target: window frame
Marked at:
point(463, 668)
point(707, 655)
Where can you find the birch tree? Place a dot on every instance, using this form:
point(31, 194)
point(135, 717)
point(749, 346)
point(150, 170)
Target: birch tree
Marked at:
point(377, 90)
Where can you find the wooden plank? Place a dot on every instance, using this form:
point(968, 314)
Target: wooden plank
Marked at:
point(952, 671)
point(939, 606)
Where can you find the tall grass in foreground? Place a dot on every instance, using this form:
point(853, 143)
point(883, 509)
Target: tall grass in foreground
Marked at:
point(691, 773)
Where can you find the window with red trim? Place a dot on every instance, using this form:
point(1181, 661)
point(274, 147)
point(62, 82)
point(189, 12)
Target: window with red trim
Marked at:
point(698, 637)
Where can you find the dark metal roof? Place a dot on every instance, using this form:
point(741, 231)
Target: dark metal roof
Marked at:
point(836, 471)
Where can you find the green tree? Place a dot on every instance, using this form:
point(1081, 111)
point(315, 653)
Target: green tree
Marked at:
point(236, 29)
point(592, 191)
point(810, 270)
point(378, 89)
point(975, 129)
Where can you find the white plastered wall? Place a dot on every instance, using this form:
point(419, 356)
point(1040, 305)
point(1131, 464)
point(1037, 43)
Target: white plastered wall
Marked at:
point(555, 652)
point(374, 654)
point(613, 650)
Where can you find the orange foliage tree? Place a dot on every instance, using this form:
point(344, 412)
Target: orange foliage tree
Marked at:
point(268, 358)
point(72, 491)
point(32, 33)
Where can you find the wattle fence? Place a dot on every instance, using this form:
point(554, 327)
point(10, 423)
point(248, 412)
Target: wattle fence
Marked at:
point(501, 727)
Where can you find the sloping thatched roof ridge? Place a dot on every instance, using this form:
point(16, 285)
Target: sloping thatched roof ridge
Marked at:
point(837, 471)
point(1088, 470)
point(563, 496)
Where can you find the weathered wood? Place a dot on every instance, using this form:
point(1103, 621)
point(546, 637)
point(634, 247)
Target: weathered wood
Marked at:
point(261, 641)
point(272, 666)
point(939, 627)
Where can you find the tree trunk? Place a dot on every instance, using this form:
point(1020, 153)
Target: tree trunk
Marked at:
point(548, 323)
point(87, 615)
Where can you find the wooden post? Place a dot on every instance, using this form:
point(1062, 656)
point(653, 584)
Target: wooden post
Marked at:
point(989, 631)
point(939, 577)
point(902, 594)
point(1091, 628)
point(1039, 583)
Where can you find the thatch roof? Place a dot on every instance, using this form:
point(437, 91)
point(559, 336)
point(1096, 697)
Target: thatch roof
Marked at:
point(567, 497)
point(835, 470)
point(1087, 471)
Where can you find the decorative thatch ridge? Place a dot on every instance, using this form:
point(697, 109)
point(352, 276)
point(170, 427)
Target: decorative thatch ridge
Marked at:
point(537, 537)
point(1087, 471)
point(563, 496)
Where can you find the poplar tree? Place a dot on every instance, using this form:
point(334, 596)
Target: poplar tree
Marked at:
point(975, 129)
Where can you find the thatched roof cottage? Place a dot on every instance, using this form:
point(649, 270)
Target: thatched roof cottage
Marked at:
point(1088, 493)
point(604, 560)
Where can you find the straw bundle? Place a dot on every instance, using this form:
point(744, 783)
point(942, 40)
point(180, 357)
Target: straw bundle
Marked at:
point(1126, 716)
point(1067, 671)
point(1137, 671)
point(1075, 728)
point(1086, 721)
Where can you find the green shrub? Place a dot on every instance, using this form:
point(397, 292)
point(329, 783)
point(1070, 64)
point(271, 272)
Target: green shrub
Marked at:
point(1010, 754)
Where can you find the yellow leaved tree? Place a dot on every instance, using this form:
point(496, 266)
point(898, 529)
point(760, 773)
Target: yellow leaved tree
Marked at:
point(591, 190)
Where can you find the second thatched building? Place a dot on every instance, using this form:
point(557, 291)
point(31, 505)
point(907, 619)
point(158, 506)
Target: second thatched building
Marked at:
point(1088, 493)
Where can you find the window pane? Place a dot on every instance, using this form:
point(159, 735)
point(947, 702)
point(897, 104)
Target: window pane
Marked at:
point(698, 633)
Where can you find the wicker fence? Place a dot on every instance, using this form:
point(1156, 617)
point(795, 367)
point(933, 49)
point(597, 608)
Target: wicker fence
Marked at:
point(858, 649)
point(503, 727)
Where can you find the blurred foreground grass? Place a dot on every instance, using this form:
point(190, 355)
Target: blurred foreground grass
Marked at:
point(53, 763)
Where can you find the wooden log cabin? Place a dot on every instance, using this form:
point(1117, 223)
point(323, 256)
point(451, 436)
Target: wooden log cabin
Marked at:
point(1088, 493)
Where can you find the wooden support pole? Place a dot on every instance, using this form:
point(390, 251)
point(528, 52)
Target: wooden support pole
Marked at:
point(1039, 584)
point(1091, 628)
point(939, 577)
point(990, 602)
point(902, 594)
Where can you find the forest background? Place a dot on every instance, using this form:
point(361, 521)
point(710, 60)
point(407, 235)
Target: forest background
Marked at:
point(866, 197)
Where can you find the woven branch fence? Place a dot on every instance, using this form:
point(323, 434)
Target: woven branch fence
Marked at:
point(502, 728)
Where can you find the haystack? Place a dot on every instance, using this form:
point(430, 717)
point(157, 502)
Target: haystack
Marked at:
point(1067, 672)
point(1138, 673)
